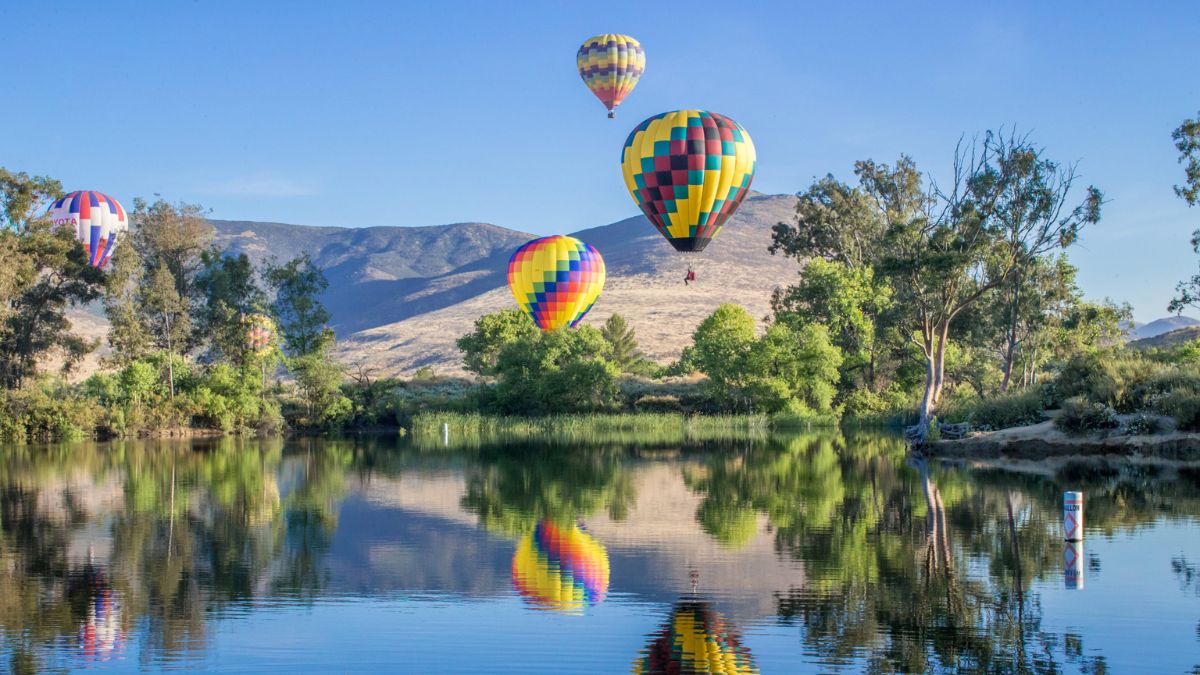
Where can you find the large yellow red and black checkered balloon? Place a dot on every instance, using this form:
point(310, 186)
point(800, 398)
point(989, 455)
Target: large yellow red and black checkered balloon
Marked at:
point(696, 639)
point(556, 280)
point(688, 170)
point(610, 66)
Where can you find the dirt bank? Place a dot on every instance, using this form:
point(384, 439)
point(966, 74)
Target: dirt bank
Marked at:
point(1042, 441)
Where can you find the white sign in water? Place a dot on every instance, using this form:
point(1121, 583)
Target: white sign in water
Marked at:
point(1073, 565)
point(1073, 516)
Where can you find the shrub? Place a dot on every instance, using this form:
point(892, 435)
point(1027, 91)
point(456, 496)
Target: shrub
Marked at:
point(1110, 378)
point(1079, 415)
point(1013, 409)
point(1142, 425)
point(1184, 406)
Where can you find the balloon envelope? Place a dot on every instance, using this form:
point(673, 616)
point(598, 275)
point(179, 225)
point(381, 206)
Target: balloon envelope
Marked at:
point(259, 329)
point(556, 280)
point(561, 568)
point(98, 220)
point(696, 639)
point(610, 66)
point(688, 170)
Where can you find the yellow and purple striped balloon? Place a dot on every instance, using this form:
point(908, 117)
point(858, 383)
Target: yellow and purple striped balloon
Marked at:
point(556, 280)
point(610, 66)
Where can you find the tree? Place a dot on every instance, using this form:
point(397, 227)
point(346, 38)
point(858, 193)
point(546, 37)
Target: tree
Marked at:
point(833, 221)
point(560, 371)
point(789, 368)
point(45, 271)
point(168, 313)
point(228, 292)
point(481, 347)
point(128, 334)
point(319, 380)
point(943, 249)
point(855, 306)
point(721, 345)
point(622, 343)
point(297, 285)
point(1187, 142)
point(1018, 319)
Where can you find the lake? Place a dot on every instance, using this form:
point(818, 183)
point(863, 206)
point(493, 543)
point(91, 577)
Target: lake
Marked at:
point(767, 553)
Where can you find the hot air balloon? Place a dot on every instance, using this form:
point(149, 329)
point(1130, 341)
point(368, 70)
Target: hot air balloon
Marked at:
point(259, 329)
point(556, 280)
point(610, 66)
point(99, 222)
point(696, 639)
point(562, 568)
point(688, 170)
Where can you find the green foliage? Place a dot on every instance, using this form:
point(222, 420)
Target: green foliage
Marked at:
point(481, 347)
point(47, 410)
point(540, 373)
point(1187, 142)
point(44, 272)
point(228, 291)
point(319, 381)
point(622, 343)
point(855, 307)
point(565, 370)
point(1012, 409)
point(790, 369)
point(1112, 378)
point(1142, 424)
point(298, 284)
point(1184, 406)
point(1079, 415)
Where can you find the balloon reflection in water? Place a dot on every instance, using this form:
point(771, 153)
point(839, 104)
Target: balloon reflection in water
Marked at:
point(561, 568)
point(100, 633)
point(696, 639)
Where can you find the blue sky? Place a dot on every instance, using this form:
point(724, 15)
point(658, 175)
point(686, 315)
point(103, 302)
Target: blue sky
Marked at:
point(392, 113)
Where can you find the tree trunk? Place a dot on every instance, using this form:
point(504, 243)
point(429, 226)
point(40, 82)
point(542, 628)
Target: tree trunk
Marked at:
point(170, 361)
point(940, 371)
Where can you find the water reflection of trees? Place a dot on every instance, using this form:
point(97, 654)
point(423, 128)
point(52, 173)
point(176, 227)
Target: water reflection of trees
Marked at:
point(912, 567)
point(192, 529)
point(512, 488)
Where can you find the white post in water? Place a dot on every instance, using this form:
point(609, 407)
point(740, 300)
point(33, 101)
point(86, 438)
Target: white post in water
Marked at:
point(1073, 565)
point(445, 434)
point(1073, 516)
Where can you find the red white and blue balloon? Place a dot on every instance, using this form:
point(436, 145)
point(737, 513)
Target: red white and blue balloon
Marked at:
point(99, 222)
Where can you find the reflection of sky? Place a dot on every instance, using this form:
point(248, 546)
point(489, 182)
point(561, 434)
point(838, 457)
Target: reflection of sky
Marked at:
point(1132, 610)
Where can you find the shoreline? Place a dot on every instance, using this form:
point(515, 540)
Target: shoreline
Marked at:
point(1045, 441)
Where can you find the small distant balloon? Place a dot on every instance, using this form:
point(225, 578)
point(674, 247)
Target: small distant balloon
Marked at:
point(259, 330)
point(99, 222)
point(688, 171)
point(556, 280)
point(611, 66)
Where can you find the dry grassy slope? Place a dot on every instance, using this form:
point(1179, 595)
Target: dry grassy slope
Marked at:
point(644, 285)
point(401, 296)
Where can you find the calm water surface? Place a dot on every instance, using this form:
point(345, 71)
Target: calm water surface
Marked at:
point(784, 554)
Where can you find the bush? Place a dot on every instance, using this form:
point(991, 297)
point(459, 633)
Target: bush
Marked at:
point(1184, 406)
point(1142, 425)
point(47, 411)
point(1079, 415)
point(1111, 378)
point(1013, 409)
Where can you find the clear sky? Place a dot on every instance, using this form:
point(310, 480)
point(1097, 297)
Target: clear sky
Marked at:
point(395, 113)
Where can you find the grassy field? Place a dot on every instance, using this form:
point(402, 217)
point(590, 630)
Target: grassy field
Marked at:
point(471, 429)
